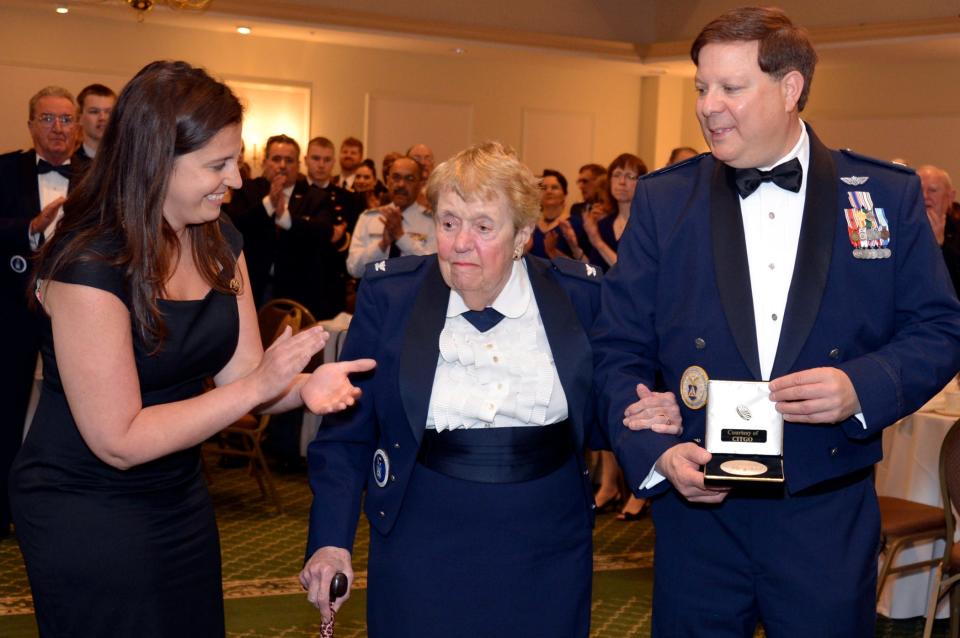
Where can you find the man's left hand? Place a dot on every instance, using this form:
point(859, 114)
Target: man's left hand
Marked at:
point(817, 395)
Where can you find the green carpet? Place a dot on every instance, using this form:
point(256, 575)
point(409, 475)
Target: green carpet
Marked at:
point(263, 551)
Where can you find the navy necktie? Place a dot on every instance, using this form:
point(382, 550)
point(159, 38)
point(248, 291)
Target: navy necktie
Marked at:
point(43, 167)
point(787, 176)
point(484, 319)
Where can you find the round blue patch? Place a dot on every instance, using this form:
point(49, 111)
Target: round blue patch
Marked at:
point(381, 467)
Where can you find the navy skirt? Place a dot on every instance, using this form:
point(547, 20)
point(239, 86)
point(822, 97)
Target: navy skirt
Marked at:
point(478, 560)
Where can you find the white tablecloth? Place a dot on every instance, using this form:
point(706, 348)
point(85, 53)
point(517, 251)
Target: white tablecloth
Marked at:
point(331, 352)
point(910, 470)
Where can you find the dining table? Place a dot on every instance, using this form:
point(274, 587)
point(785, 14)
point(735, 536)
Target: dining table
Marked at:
point(910, 470)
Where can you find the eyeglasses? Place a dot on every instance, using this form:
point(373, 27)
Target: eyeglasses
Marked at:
point(47, 119)
point(630, 177)
point(410, 179)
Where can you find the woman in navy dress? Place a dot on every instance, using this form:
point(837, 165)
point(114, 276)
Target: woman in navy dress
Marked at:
point(143, 296)
point(556, 233)
point(468, 438)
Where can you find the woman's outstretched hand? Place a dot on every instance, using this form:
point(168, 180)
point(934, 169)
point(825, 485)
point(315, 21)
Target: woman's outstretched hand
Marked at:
point(329, 389)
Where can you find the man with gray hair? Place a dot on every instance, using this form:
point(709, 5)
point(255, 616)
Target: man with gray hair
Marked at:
point(938, 196)
point(33, 185)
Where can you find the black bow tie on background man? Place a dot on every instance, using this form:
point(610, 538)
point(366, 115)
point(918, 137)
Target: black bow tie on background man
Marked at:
point(787, 176)
point(43, 167)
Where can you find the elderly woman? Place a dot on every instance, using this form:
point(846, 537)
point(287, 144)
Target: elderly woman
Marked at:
point(469, 436)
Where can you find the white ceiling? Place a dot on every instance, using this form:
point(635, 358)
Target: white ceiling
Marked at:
point(648, 37)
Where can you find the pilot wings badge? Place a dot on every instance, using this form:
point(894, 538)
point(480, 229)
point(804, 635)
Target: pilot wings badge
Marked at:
point(853, 180)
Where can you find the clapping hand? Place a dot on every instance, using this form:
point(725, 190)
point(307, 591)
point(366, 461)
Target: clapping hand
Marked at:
point(284, 359)
point(329, 389)
point(277, 199)
point(46, 216)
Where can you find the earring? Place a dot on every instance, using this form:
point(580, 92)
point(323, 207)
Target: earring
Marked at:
point(517, 253)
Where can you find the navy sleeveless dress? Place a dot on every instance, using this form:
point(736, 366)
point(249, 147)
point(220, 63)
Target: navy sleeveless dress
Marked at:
point(135, 552)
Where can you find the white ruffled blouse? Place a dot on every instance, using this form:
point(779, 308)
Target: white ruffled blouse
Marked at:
point(504, 377)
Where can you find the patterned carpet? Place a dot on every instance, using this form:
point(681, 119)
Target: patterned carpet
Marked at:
point(262, 552)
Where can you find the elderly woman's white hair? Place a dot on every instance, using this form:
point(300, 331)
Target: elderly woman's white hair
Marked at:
point(485, 171)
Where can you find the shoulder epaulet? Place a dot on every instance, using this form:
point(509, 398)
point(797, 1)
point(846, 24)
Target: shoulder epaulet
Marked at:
point(879, 162)
point(577, 269)
point(395, 266)
point(673, 167)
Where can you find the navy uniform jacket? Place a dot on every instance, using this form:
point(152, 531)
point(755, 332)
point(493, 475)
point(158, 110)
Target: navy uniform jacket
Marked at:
point(305, 266)
point(401, 310)
point(19, 203)
point(680, 296)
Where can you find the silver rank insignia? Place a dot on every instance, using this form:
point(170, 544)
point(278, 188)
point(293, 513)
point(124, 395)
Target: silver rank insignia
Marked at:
point(381, 467)
point(853, 180)
point(380, 266)
point(591, 270)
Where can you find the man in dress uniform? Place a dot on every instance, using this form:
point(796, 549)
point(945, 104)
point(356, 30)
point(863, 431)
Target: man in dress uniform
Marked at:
point(771, 259)
point(402, 227)
point(319, 160)
point(33, 185)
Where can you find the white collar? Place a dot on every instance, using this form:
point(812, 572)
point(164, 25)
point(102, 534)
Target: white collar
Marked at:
point(512, 301)
point(800, 150)
point(38, 157)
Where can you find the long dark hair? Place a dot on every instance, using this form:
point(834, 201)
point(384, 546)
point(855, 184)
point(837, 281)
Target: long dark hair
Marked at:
point(167, 110)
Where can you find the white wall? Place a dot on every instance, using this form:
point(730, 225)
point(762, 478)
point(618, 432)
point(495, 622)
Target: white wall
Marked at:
point(42, 48)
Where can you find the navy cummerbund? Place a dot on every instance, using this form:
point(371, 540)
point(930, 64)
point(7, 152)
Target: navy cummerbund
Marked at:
point(497, 455)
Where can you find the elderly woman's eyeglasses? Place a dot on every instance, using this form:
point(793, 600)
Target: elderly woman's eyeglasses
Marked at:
point(47, 119)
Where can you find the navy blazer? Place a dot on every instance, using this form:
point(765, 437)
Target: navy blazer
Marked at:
point(680, 296)
point(401, 310)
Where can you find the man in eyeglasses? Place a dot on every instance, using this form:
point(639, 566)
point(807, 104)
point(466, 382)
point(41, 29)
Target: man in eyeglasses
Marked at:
point(402, 227)
point(33, 185)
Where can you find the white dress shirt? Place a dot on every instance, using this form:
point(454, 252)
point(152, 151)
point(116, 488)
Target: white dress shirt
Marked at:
point(504, 377)
point(772, 217)
point(283, 221)
point(50, 186)
point(419, 237)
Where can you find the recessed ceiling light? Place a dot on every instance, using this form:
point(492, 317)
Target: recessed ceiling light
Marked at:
point(63, 10)
point(244, 30)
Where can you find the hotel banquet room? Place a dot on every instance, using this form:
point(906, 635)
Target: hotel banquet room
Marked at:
point(566, 84)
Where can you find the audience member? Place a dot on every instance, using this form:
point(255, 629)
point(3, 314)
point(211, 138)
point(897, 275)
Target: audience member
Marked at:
point(351, 153)
point(938, 195)
point(556, 233)
point(262, 207)
point(345, 205)
point(95, 104)
point(587, 181)
point(423, 154)
point(402, 227)
point(738, 265)
point(365, 184)
point(681, 153)
point(603, 230)
point(33, 185)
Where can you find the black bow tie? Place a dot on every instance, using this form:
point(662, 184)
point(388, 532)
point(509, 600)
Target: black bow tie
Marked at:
point(43, 167)
point(484, 319)
point(787, 176)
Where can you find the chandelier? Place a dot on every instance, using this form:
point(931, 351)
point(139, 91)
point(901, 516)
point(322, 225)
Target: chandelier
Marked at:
point(145, 5)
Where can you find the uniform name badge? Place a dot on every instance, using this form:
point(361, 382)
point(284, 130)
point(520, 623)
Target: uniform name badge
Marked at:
point(744, 433)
